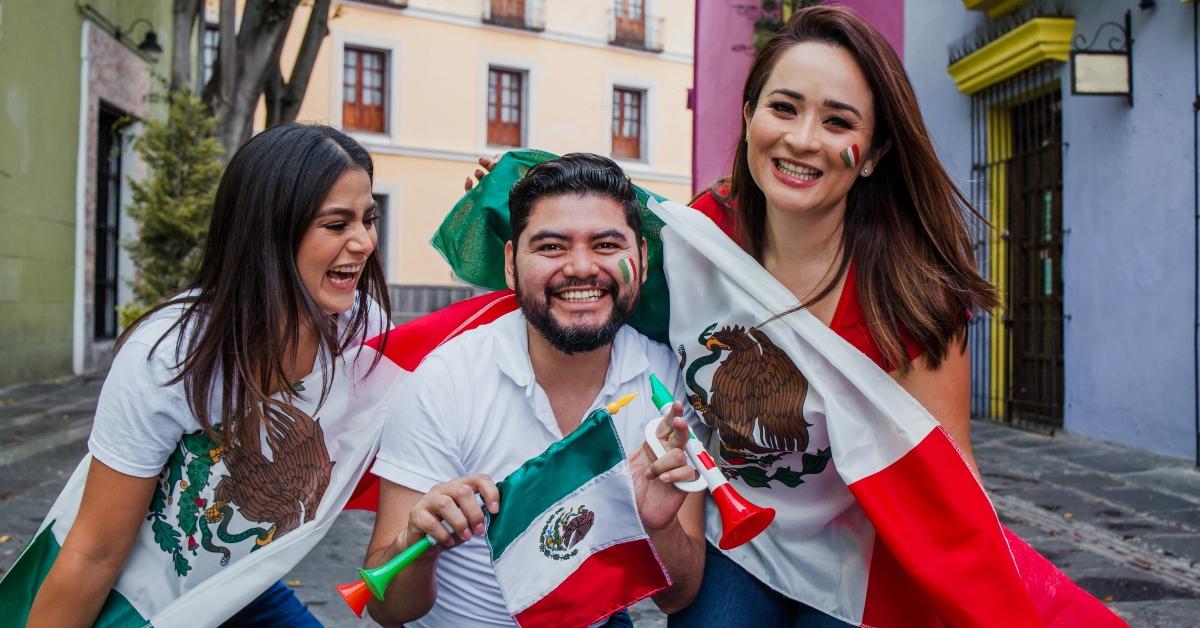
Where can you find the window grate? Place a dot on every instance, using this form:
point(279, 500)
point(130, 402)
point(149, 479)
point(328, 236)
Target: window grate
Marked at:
point(1016, 183)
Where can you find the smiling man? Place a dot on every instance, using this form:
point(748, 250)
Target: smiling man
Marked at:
point(485, 402)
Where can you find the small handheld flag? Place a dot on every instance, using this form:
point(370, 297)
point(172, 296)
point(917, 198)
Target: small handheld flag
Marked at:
point(568, 548)
point(588, 464)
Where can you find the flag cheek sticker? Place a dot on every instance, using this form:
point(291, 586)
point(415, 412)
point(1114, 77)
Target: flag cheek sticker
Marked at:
point(628, 270)
point(851, 156)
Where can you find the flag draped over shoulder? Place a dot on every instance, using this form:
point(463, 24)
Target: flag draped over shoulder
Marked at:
point(568, 545)
point(887, 524)
point(472, 238)
point(907, 533)
point(408, 344)
point(201, 554)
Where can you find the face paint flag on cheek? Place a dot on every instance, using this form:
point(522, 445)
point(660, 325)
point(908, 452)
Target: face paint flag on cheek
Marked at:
point(851, 156)
point(628, 270)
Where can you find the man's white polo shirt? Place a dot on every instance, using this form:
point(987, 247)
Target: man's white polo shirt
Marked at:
point(473, 407)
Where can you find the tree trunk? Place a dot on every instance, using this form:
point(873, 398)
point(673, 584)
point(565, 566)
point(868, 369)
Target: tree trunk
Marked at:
point(248, 66)
point(186, 12)
point(284, 99)
point(225, 74)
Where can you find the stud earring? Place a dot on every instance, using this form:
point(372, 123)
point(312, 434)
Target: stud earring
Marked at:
point(866, 171)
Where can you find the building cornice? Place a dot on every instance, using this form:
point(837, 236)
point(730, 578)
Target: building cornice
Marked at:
point(1040, 39)
point(552, 35)
point(994, 8)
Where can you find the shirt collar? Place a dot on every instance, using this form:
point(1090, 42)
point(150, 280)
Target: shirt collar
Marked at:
point(628, 360)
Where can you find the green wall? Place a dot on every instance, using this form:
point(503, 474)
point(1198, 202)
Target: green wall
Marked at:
point(39, 144)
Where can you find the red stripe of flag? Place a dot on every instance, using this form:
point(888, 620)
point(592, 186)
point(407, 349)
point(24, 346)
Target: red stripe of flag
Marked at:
point(409, 343)
point(605, 583)
point(940, 530)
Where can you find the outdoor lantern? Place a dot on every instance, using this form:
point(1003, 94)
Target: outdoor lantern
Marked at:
point(150, 43)
point(1104, 72)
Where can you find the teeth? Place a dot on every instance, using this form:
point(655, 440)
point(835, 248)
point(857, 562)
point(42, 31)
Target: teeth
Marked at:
point(800, 172)
point(349, 268)
point(580, 296)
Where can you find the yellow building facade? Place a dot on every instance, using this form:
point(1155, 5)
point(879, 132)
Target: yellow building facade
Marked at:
point(428, 86)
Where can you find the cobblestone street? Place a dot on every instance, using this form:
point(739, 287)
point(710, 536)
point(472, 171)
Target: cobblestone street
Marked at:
point(1124, 524)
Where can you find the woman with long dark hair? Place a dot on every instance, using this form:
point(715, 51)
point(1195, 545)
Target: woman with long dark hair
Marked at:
point(215, 434)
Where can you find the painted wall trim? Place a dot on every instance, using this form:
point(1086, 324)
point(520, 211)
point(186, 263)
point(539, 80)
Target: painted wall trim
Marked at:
point(81, 166)
point(1035, 41)
point(994, 8)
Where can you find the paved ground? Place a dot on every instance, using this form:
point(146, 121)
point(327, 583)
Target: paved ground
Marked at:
point(1124, 524)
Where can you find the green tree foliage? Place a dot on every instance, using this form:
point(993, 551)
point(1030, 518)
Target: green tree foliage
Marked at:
point(172, 206)
point(776, 13)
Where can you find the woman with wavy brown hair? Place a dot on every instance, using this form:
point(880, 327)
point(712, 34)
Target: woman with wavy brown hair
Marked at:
point(837, 192)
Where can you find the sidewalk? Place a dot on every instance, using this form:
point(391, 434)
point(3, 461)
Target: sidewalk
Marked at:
point(1123, 523)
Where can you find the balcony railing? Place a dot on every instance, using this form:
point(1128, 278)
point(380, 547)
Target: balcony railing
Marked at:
point(395, 4)
point(639, 30)
point(413, 301)
point(525, 14)
point(996, 28)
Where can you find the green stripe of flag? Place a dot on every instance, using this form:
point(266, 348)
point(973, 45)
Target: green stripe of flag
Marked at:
point(543, 481)
point(20, 585)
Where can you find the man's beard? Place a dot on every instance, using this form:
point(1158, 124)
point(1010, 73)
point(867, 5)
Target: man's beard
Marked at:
point(579, 338)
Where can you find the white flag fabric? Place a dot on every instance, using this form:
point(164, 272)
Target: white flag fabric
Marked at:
point(881, 521)
point(209, 545)
point(568, 546)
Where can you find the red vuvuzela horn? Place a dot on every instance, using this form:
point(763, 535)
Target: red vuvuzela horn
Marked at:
point(740, 519)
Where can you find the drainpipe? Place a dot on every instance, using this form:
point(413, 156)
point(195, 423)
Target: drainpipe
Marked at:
point(1196, 225)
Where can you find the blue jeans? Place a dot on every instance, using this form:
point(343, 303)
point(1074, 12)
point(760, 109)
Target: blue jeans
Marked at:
point(731, 597)
point(279, 607)
point(619, 619)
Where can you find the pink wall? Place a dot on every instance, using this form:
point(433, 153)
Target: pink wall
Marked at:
point(720, 71)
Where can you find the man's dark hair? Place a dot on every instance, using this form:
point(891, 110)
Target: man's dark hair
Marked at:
point(574, 173)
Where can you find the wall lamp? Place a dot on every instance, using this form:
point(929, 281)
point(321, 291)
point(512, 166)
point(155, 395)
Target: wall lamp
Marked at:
point(148, 45)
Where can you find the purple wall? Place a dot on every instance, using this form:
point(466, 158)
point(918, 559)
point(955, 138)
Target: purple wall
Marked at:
point(885, 15)
point(717, 86)
point(720, 71)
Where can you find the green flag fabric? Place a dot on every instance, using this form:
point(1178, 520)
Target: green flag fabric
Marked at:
point(472, 239)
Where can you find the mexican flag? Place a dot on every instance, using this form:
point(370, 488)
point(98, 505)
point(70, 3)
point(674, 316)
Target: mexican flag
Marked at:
point(895, 530)
point(568, 546)
point(209, 543)
point(881, 521)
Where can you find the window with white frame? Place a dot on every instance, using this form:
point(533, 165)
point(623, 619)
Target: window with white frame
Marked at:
point(628, 119)
point(505, 107)
point(364, 89)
